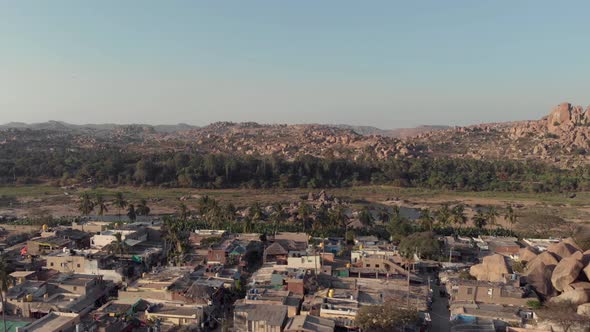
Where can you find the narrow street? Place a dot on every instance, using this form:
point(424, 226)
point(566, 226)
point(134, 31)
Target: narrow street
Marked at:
point(439, 313)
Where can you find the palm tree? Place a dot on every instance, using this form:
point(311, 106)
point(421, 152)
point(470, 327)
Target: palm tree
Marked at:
point(321, 218)
point(365, 217)
point(214, 216)
point(443, 215)
point(183, 212)
point(101, 204)
point(247, 228)
point(303, 213)
point(120, 203)
point(492, 215)
point(142, 208)
point(255, 212)
point(5, 281)
point(277, 216)
point(396, 212)
point(426, 219)
point(118, 246)
point(480, 220)
point(131, 212)
point(458, 215)
point(86, 204)
point(337, 217)
point(175, 239)
point(510, 215)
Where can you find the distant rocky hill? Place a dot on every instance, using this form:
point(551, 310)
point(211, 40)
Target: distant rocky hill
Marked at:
point(561, 138)
point(249, 138)
point(398, 133)
point(105, 127)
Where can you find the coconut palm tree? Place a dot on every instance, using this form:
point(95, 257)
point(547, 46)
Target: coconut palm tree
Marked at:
point(277, 216)
point(443, 215)
point(303, 214)
point(365, 217)
point(458, 215)
point(510, 215)
point(131, 213)
point(338, 217)
point(396, 212)
point(426, 219)
point(86, 204)
point(120, 203)
point(142, 208)
point(491, 215)
point(5, 282)
point(255, 212)
point(247, 227)
point(214, 216)
point(183, 212)
point(175, 240)
point(101, 204)
point(118, 247)
point(480, 219)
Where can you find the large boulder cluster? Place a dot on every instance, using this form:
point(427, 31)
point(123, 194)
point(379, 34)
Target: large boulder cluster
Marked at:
point(562, 273)
point(493, 268)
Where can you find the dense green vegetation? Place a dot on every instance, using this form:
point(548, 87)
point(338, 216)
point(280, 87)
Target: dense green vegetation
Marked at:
point(179, 169)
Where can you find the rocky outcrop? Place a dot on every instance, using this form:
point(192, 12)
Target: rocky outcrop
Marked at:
point(546, 258)
point(527, 254)
point(577, 285)
point(563, 249)
point(578, 296)
point(584, 309)
point(539, 276)
point(561, 138)
point(493, 268)
point(587, 271)
point(566, 272)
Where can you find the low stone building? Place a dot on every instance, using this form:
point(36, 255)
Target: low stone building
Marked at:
point(260, 317)
point(44, 245)
point(175, 315)
point(308, 323)
point(473, 291)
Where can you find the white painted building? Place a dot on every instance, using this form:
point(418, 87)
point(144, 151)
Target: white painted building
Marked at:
point(105, 238)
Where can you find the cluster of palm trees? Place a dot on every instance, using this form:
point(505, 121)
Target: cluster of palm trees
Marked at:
point(446, 216)
point(175, 235)
point(213, 214)
point(88, 204)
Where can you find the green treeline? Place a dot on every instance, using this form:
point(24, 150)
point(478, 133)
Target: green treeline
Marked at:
point(178, 169)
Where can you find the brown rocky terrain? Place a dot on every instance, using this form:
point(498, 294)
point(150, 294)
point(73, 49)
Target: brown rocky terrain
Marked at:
point(560, 138)
point(289, 141)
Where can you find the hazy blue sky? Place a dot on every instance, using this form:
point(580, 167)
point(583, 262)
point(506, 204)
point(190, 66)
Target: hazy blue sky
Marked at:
point(384, 63)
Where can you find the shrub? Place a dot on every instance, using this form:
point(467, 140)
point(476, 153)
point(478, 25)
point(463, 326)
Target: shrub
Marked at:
point(534, 304)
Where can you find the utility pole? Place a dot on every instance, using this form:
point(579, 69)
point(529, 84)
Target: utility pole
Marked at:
point(408, 300)
point(450, 254)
